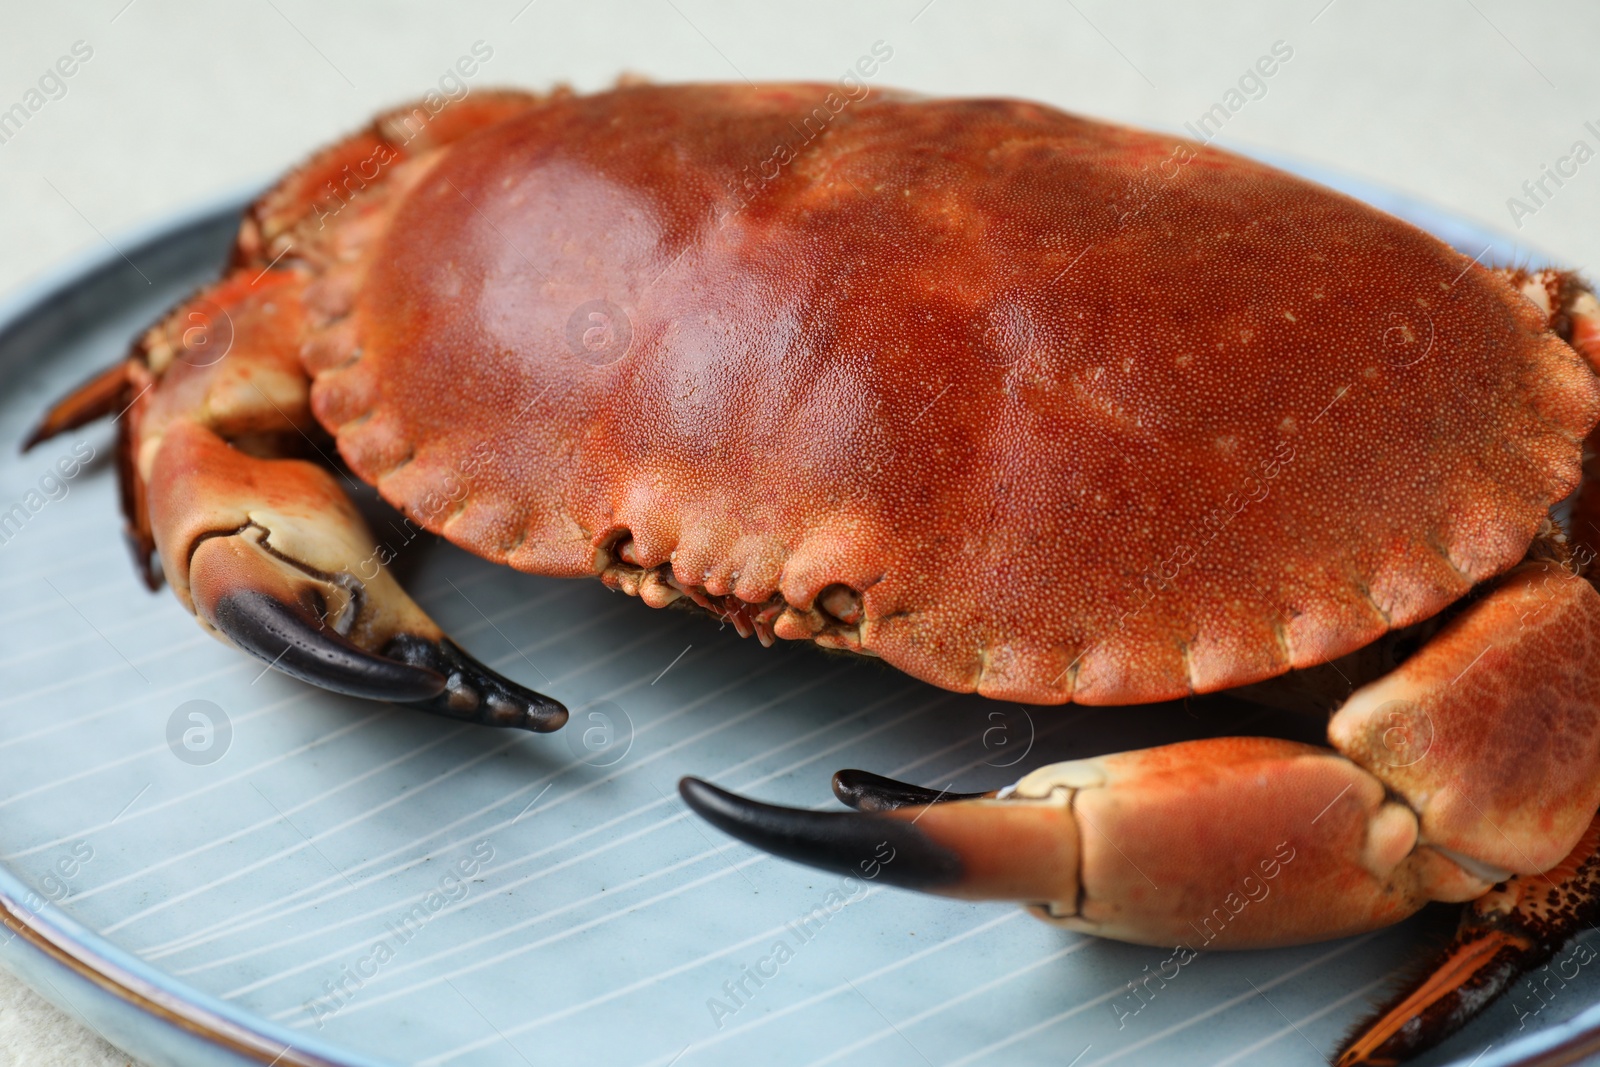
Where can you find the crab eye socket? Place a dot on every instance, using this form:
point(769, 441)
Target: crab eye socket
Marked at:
point(842, 602)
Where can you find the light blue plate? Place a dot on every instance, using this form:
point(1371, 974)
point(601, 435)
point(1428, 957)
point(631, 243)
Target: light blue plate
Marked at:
point(291, 888)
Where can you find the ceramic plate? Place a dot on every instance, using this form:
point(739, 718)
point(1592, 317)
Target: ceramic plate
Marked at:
point(215, 863)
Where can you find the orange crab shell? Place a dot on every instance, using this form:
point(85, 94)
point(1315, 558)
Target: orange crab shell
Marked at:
point(1020, 402)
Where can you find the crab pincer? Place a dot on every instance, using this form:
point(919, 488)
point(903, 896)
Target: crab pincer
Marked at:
point(272, 555)
point(220, 481)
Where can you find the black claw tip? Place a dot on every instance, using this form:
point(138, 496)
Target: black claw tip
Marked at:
point(866, 791)
point(474, 692)
point(278, 633)
point(892, 850)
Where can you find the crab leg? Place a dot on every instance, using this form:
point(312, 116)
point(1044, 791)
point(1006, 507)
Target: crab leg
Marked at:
point(99, 396)
point(264, 547)
point(1471, 772)
point(1515, 927)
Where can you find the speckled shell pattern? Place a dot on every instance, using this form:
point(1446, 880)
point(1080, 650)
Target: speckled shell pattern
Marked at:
point(1079, 412)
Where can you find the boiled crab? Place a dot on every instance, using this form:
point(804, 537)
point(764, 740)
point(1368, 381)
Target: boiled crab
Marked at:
point(1021, 403)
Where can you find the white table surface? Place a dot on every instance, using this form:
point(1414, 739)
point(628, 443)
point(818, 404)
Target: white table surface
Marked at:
point(1458, 101)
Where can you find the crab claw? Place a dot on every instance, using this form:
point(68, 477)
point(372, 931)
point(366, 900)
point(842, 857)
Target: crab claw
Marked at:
point(954, 847)
point(474, 691)
point(271, 555)
point(1224, 843)
point(291, 638)
point(432, 673)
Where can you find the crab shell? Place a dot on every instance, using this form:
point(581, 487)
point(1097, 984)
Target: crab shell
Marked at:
point(1020, 402)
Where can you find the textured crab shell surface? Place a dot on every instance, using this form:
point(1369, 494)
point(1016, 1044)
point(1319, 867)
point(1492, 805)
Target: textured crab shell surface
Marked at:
point(1020, 402)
